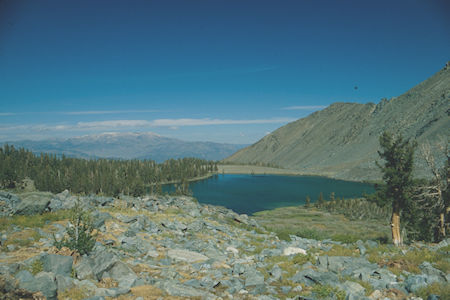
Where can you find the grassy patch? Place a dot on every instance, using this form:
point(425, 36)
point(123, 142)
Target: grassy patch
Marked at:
point(33, 220)
point(174, 211)
point(36, 267)
point(23, 238)
point(397, 262)
point(327, 291)
point(311, 233)
point(75, 293)
point(338, 250)
point(440, 289)
point(317, 224)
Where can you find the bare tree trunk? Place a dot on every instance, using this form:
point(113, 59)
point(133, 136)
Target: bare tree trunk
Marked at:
point(395, 225)
point(442, 224)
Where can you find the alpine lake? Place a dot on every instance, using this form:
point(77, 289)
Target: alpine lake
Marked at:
point(247, 194)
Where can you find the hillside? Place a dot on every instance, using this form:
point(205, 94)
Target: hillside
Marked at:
point(164, 247)
point(128, 145)
point(341, 141)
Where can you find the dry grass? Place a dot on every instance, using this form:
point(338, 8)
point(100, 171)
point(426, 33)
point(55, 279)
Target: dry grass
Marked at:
point(317, 224)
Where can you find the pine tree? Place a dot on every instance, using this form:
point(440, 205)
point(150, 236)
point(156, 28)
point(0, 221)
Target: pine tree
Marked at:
point(397, 174)
point(307, 201)
point(320, 200)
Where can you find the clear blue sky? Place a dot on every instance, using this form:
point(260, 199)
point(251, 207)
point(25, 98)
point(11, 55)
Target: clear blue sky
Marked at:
point(226, 71)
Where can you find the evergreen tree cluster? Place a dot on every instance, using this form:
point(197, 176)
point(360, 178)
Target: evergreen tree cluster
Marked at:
point(422, 205)
point(357, 209)
point(99, 176)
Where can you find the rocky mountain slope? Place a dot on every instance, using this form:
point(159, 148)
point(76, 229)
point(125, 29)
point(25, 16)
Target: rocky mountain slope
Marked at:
point(164, 247)
point(128, 145)
point(341, 141)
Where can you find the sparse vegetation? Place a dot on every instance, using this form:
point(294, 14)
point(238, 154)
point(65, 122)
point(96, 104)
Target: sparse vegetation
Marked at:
point(36, 267)
point(327, 291)
point(34, 220)
point(319, 223)
point(80, 232)
point(441, 289)
point(75, 293)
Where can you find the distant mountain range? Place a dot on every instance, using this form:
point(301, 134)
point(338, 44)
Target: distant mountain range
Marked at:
point(341, 141)
point(129, 146)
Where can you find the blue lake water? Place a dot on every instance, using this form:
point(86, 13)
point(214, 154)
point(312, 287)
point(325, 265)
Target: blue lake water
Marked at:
point(251, 193)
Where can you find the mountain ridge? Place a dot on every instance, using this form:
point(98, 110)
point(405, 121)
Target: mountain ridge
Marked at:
point(341, 141)
point(130, 145)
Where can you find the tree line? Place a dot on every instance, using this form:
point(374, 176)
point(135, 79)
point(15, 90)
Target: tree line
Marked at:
point(98, 176)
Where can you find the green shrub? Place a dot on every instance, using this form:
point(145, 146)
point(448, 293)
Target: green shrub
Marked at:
point(80, 232)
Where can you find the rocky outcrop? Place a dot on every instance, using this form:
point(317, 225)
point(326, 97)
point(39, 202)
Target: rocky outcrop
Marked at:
point(341, 141)
point(174, 246)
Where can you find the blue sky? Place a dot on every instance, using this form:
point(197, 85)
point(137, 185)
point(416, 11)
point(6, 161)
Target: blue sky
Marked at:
point(223, 71)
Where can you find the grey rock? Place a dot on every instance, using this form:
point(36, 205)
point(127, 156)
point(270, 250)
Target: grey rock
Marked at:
point(297, 289)
point(84, 268)
point(238, 269)
point(371, 244)
point(111, 292)
point(360, 245)
point(134, 243)
point(95, 298)
point(33, 204)
point(103, 261)
point(429, 270)
point(86, 284)
point(234, 285)
point(57, 264)
point(253, 278)
point(194, 283)
point(99, 218)
point(266, 297)
point(415, 282)
point(43, 282)
point(126, 219)
point(186, 255)
point(8, 203)
point(433, 297)
point(9, 269)
point(241, 219)
point(276, 273)
point(353, 288)
point(286, 289)
point(46, 284)
point(177, 289)
point(63, 283)
point(24, 277)
point(123, 274)
point(310, 277)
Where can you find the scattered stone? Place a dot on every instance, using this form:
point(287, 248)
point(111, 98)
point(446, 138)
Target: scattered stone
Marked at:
point(232, 250)
point(33, 204)
point(186, 255)
point(253, 278)
point(123, 274)
point(63, 283)
point(57, 264)
point(293, 251)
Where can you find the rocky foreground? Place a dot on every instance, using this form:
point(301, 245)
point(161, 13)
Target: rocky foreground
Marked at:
point(165, 247)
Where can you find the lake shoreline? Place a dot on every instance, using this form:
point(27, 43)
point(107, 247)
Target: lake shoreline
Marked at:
point(261, 170)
